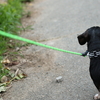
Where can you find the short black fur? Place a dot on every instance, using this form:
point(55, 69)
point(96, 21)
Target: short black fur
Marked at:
point(92, 37)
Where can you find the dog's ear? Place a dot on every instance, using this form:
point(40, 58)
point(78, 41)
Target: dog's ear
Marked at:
point(83, 38)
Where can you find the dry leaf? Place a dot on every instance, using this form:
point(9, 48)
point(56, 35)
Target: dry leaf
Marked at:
point(5, 61)
point(2, 89)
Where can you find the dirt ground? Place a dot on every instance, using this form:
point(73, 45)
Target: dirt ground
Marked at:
point(55, 24)
point(2, 1)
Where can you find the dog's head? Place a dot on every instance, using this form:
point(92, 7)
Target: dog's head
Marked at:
point(90, 35)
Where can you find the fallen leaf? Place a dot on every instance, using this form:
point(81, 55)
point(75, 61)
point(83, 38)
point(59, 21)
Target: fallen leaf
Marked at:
point(7, 68)
point(21, 76)
point(5, 61)
point(12, 75)
point(2, 89)
point(2, 84)
point(17, 78)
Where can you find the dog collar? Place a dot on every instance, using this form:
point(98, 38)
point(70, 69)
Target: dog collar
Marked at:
point(94, 54)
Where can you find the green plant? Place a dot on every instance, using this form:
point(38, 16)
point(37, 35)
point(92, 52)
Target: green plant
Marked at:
point(3, 45)
point(10, 15)
point(3, 71)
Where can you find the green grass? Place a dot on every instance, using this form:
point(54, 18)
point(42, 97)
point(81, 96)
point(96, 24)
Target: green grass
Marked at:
point(3, 71)
point(10, 15)
point(10, 21)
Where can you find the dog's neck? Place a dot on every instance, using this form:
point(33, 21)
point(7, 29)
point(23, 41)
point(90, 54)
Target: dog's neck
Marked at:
point(93, 45)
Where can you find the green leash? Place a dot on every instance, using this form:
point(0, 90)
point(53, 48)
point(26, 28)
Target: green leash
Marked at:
point(35, 43)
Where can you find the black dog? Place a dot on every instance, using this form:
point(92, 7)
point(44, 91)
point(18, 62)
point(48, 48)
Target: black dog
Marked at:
point(92, 37)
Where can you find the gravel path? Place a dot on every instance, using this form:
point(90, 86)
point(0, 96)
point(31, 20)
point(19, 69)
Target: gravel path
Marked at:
point(57, 23)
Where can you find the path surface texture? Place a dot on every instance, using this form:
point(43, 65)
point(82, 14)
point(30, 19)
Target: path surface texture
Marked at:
point(57, 23)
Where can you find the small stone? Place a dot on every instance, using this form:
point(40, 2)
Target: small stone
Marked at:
point(39, 66)
point(11, 41)
point(17, 48)
point(59, 79)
